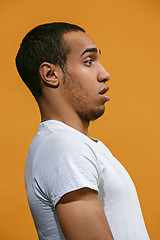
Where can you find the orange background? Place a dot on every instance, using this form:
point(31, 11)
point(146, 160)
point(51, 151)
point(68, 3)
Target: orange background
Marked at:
point(127, 32)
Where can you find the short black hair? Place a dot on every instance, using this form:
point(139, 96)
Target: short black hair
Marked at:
point(44, 43)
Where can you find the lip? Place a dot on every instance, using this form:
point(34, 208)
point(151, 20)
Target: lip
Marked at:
point(103, 91)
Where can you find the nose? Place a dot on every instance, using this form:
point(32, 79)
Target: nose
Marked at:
point(103, 75)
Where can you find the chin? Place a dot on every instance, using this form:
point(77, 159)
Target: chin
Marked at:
point(96, 114)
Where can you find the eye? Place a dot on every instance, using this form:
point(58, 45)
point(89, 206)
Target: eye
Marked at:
point(89, 62)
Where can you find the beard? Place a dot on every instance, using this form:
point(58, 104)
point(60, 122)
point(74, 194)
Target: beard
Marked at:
point(78, 96)
point(92, 115)
point(89, 113)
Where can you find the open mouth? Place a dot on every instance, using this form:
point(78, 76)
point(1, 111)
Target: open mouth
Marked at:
point(104, 90)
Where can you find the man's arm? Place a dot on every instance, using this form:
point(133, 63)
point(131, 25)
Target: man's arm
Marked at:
point(82, 217)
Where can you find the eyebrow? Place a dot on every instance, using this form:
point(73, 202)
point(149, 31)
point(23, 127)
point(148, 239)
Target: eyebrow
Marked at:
point(91, 50)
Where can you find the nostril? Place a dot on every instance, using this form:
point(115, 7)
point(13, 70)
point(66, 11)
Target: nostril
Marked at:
point(105, 80)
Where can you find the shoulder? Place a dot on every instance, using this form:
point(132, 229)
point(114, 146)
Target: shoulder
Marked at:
point(61, 141)
point(60, 150)
point(65, 160)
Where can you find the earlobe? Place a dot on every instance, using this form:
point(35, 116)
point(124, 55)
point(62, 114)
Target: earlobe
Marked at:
point(49, 74)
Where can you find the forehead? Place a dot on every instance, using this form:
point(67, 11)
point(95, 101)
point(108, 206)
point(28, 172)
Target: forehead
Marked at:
point(79, 41)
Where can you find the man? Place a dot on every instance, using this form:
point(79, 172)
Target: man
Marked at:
point(76, 189)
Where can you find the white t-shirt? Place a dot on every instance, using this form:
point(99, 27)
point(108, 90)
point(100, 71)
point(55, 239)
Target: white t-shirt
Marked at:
point(60, 160)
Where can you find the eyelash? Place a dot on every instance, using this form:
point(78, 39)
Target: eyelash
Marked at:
point(90, 64)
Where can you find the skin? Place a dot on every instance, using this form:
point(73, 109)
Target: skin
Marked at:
point(75, 98)
point(77, 92)
point(82, 217)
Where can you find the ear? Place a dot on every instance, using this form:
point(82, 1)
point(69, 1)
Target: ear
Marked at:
point(49, 74)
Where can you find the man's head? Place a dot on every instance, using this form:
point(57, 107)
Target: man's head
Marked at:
point(60, 64)
point(44, 43)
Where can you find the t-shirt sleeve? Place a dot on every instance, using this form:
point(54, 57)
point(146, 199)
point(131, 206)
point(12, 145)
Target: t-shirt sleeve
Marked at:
point(64, 164)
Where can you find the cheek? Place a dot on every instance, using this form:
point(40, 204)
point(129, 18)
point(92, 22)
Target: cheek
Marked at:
point(83, 71)
point(85, 77)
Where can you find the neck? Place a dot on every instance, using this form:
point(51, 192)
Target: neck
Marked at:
point(65, 115)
